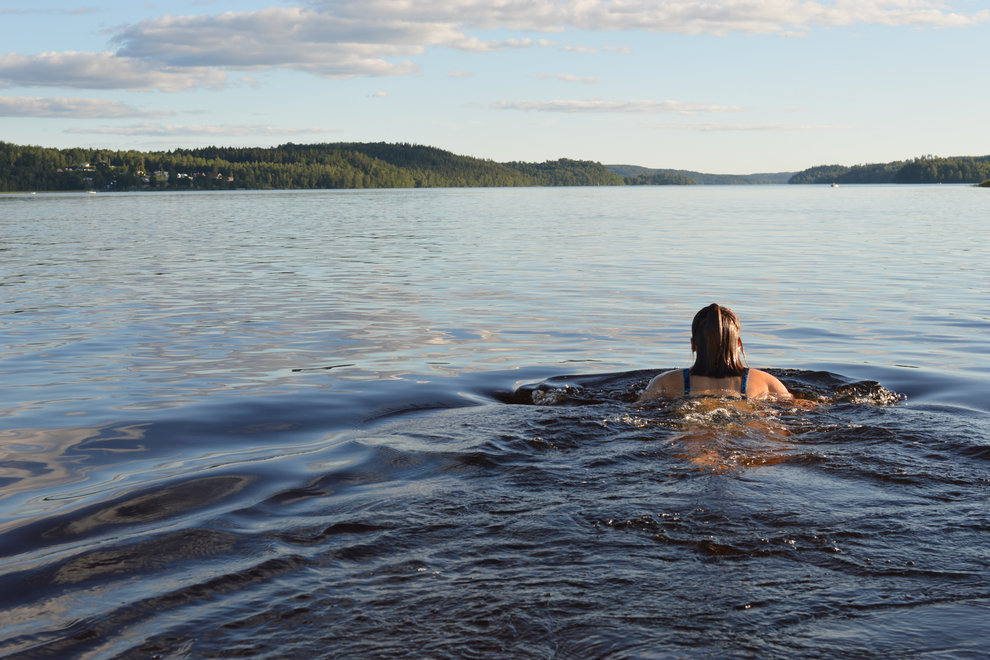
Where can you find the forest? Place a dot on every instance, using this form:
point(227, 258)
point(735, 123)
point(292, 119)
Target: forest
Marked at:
point(637, 175)
point(926, 169)
point(288, 166)
point(398, 165)
point(660, 179)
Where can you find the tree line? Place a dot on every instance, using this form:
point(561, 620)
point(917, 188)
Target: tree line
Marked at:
point(288, 166)
point(925, 169)
point(395, 165)
point(660, 179)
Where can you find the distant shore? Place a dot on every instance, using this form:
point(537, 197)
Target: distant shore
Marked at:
point(398, 165)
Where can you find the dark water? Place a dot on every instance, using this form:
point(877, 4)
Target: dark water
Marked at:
point(275, 425)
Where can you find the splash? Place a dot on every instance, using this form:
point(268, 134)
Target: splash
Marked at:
point(714, 433)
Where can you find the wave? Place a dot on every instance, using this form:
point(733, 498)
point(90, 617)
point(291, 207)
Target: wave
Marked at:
point(550, 517)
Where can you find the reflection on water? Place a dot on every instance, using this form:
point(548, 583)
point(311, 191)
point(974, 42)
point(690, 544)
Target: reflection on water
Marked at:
point(281, 423)
point(581, 525)
point(34, 460)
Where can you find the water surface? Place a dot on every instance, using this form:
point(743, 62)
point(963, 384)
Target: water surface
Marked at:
point(394, 423)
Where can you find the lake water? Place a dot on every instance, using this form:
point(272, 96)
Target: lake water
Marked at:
point(397, 423)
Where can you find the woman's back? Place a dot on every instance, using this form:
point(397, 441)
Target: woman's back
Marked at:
point(720, 366)
point(680, 382)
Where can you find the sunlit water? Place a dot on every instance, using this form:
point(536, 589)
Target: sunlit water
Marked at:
point(399, 423)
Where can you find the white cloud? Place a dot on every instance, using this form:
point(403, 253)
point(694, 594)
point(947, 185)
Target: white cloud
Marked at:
point(737, 128)
point(605, 106)
point(348, 41)
point(674, 16)
point(148, 128)
point(18, 106)
point(564, 77)
point(592, 50)
point(342, 38)
point(295, 38)
point(587, 50)
point(454, 73)
point(102, 71)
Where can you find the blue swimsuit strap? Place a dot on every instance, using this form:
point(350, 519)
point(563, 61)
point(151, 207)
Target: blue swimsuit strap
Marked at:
point(687, 382)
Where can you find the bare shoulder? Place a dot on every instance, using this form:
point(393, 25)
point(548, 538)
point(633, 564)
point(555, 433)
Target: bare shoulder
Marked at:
point(668, 385)
point(762, 384)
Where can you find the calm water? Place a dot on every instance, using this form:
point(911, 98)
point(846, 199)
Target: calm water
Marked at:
point(397, 423)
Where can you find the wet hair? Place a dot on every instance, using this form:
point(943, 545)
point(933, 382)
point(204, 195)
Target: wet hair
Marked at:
point(715, 331)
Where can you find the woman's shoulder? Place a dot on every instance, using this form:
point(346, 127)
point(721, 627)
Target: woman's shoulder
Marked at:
point(668, 385)
point(762, 383)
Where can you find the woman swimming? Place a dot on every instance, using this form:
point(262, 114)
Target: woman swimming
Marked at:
point(720, 366)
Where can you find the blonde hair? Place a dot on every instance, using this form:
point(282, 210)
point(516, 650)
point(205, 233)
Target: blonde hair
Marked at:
point(715, 331)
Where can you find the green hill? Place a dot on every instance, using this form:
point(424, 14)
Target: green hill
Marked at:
point(634, 174)
point(400, 165)
point(927, 169)
point(336, 165)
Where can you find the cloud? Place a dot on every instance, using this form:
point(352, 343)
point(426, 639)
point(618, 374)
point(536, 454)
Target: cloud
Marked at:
point(160, 130)
point(102, 71)
point(605, 106)
point(587, 50)
point(319, 43)
point(454, 73)
point(15, 106)
point(672, 16)
point(344, 38)
point(349, 40)
point(569, 78)
point(745, 128)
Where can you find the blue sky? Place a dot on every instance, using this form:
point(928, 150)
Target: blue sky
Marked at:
point(730, 86)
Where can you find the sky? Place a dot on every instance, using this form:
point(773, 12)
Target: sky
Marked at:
point(720, 86)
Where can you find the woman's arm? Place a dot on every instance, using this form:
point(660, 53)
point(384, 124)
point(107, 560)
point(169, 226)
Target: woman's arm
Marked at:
point(765, 384)
point(667, 385)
